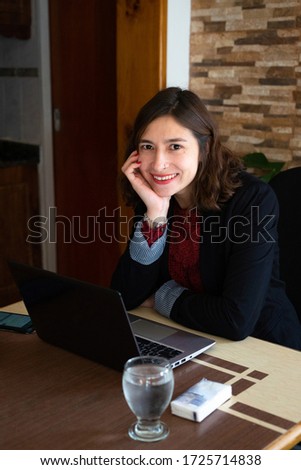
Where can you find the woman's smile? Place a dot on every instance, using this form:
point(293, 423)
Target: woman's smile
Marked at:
point(164, 179)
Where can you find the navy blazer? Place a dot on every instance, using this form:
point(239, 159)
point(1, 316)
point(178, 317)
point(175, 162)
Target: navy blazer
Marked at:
point(239, 268)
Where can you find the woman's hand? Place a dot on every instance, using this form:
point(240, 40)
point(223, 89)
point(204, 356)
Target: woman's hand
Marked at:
point(156, 206)
point(150, 302)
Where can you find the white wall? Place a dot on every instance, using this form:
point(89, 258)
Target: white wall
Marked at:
point(178, 38)
point(46, 176)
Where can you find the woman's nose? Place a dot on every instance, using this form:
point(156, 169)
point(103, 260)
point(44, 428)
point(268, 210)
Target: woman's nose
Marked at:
point(160, 162)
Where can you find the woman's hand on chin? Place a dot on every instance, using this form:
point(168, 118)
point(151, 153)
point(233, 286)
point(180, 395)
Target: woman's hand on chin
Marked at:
point(156, 205)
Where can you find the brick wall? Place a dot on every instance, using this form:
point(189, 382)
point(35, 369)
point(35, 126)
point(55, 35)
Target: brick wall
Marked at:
point(245, 59)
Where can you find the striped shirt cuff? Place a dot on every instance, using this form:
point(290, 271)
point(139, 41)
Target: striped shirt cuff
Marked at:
point(141, 252)
point(166, 296)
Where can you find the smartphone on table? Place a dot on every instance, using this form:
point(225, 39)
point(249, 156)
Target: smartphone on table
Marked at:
point(15, 322)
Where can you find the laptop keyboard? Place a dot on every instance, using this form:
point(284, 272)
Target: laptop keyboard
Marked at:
point(150, 348)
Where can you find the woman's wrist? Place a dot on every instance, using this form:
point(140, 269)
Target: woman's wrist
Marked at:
point(155, 222)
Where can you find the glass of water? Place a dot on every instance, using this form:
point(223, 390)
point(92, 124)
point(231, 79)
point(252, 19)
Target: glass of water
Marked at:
point(148, 384)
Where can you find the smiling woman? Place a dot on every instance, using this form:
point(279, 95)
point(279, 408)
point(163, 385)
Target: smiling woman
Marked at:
point(204, 250)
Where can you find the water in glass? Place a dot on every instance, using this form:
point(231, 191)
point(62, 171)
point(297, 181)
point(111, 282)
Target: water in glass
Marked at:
point(148, 384)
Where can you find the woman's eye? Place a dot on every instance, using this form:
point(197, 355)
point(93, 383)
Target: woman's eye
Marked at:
point(176, 146)
point(146, 147)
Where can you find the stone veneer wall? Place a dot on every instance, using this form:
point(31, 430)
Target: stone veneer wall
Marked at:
point(245, 59)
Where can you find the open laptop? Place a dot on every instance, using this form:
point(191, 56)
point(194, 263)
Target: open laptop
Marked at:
point(92, 321)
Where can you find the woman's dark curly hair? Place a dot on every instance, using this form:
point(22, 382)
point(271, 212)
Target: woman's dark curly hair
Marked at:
point(218, 174)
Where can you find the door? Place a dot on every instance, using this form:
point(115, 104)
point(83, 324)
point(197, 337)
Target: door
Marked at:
point(83, 56)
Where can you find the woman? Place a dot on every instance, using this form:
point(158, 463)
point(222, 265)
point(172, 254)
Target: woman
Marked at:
point(204, 250)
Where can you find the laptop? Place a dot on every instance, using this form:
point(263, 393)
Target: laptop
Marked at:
point(91, 321)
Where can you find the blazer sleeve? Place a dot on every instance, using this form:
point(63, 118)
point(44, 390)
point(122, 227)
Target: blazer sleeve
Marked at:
point(248, 252)
point(136, 281)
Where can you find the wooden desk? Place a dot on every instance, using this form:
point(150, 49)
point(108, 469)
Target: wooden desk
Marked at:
point(52, 399)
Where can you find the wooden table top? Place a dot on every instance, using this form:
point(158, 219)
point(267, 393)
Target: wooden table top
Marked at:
point(53, 399)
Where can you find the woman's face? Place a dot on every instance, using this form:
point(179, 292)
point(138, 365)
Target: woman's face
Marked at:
point(169, 155)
